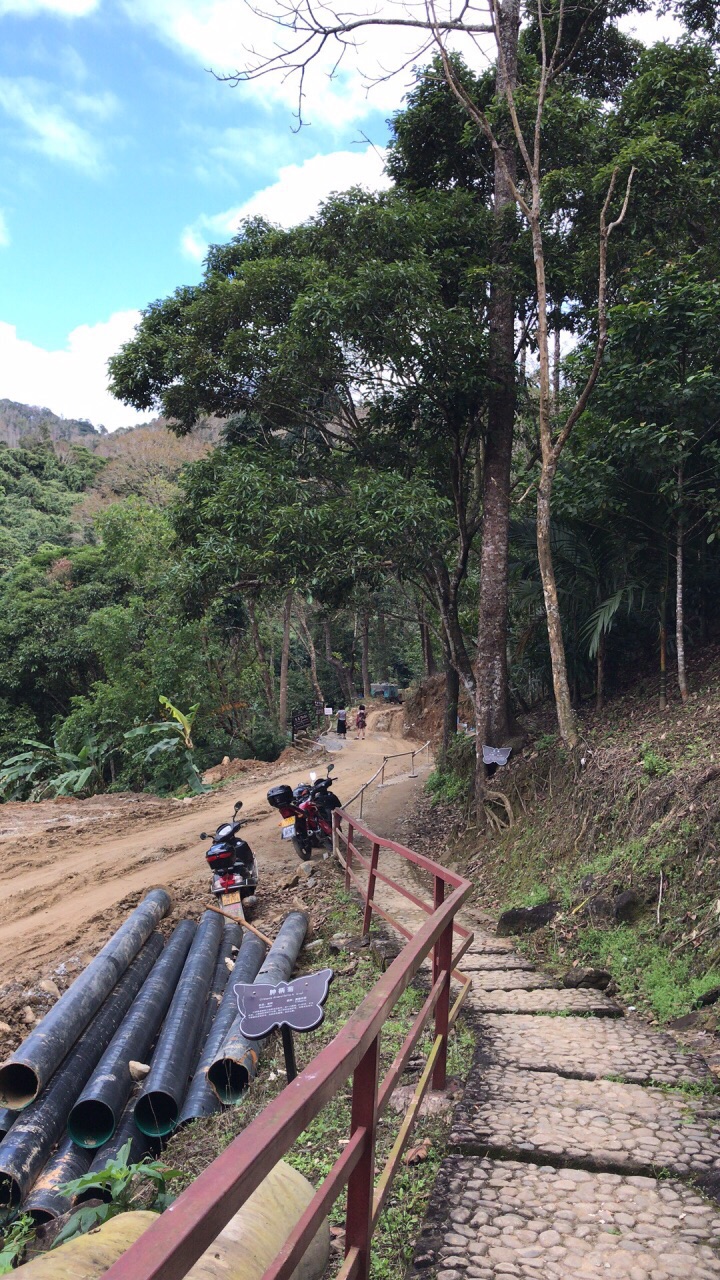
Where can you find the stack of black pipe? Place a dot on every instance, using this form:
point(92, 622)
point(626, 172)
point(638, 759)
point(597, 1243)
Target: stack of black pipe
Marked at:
point(68, 1101)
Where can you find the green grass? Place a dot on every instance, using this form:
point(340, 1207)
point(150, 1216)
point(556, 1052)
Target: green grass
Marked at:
point(643, 967)
point(654, 765)
point(446, 787)
point(532, 897)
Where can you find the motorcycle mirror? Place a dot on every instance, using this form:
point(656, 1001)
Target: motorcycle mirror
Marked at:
point(313, 776)
point(330, 769)
point(204, 835)
point(238, 805)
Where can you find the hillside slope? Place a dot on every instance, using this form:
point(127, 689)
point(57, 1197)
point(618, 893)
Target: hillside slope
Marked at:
point(637, 813)
point(29, 423)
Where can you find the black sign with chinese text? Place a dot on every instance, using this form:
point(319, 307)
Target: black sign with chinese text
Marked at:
point(298, 1004)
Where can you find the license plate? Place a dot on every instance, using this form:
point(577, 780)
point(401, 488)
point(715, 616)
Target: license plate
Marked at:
point(229, 899)
point(288, 828)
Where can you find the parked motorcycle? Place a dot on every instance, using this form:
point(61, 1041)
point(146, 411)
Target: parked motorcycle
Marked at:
point(232, 862)
point(306, 813)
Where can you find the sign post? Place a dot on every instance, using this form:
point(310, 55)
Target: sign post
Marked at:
point(299, 720)
point(291, 1006)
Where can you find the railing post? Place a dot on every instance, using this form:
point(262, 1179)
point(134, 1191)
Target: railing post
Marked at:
point(382, 775)
point(362, 797)
point(367, 917)
point(442, 960)
point(412, 773)
point(361, 1184)
point(348, 859)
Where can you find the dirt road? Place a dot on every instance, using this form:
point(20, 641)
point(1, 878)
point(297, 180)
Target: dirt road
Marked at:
point(68, 868)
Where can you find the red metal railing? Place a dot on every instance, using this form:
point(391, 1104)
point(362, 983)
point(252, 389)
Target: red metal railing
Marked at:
point(173, 1244)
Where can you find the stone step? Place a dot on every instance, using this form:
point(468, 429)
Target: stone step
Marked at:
point(488, 1220)
point(548, 1000)
point(490, 945)
point(511, 980)
point(600, 1124)
point(588, 1048)
point(472, 963)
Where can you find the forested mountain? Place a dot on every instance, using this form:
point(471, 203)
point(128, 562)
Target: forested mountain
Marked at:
point(25, 423)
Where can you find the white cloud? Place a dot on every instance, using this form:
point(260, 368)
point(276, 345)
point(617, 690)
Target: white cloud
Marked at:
point(71, 381)
point(376, 67)
point(293, 198)
point(224, 35)
point(65, 8)
point(4, 232)
point(49, 125)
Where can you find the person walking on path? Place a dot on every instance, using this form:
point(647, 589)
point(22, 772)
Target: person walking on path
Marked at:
point(342, 721)
point(360, 722)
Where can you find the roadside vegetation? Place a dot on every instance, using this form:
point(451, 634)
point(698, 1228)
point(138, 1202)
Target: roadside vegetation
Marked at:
point(636, 812)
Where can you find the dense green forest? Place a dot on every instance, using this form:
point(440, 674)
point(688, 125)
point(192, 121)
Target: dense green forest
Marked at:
point(471, 425)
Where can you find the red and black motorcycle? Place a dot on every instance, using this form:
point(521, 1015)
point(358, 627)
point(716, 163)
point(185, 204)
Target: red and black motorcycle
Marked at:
point(306, 813)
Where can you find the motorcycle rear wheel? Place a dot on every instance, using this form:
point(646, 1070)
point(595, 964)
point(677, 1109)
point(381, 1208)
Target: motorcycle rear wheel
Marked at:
point(303, 849)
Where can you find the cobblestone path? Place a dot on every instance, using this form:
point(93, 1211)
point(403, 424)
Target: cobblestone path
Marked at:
point(583, 1144)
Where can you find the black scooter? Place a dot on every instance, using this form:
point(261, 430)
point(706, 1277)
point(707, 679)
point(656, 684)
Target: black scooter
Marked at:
point(232, 862)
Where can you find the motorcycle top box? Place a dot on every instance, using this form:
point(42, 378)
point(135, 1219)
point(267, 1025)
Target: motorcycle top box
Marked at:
point(280, 797)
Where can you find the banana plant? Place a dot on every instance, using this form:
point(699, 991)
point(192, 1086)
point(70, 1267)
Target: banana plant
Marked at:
point(173, 736)
point(46, 770)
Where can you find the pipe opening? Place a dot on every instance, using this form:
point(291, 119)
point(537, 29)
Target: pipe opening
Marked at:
point(94, 1193)
point(156, 1114)
point(91, 1123)
point(19, 1085)
point(10, 1192)
point(40, 1216)
point(6, 1124)
point(229, 1079)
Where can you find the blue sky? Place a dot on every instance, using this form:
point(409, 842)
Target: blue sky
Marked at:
point(121, 158)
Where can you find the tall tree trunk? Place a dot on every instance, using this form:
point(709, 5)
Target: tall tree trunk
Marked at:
point(561, 686)
point(285, 662)
point(382, 647)
point(452, 694)
point(366, 653)
point(663, 645)
point(309, 643)
point(265, 671)
point(425, 640)
point(492, 713)
point(343, 673)
point(556, 362)
point(600, 673)
point(679, 597)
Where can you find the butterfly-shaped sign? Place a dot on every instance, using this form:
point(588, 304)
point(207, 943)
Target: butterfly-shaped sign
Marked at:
point(297, 1004)
point(496, 755)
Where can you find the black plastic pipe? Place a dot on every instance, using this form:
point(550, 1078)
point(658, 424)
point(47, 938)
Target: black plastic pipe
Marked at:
point(140, 1146)
point(35, 1132)
point(161, 1097)
point(235, 1065)
point(96, 1113)
point(7, 1120)
point(201, 1098)
point(26, 1073)
point(232, 936)
point(46, 1201)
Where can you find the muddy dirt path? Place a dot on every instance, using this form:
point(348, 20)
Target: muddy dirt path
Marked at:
point(68, 868)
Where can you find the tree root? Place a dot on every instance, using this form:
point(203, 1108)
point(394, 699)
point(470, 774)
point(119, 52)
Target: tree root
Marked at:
point(496, 820)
